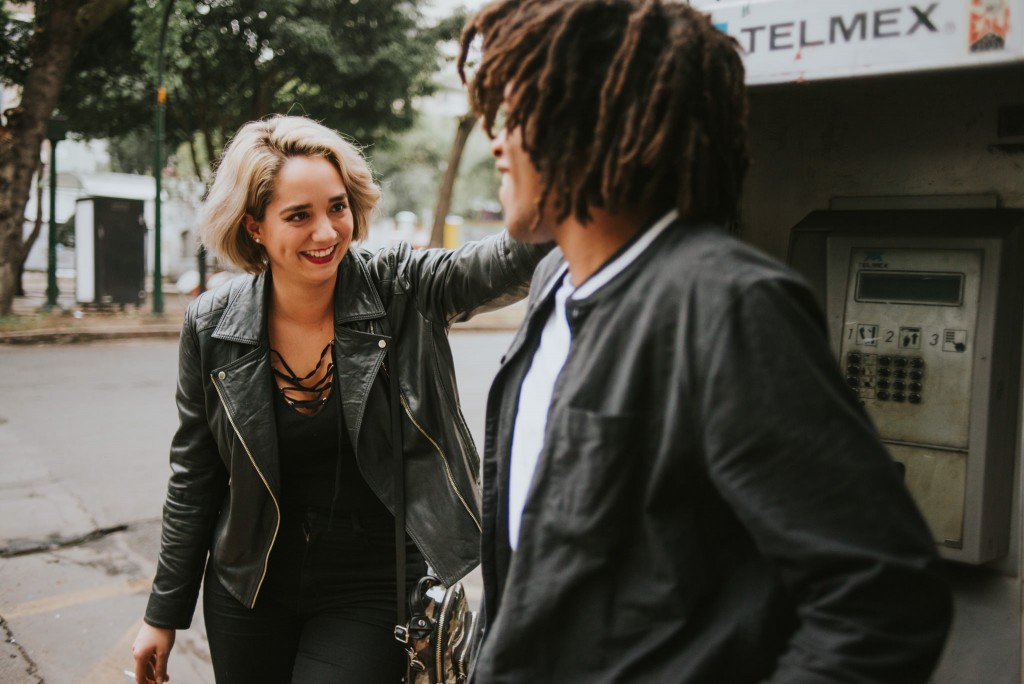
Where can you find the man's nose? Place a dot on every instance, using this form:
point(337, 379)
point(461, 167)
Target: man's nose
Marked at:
point(498, 144)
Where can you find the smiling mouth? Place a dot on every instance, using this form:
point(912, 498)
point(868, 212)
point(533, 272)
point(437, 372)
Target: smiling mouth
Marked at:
point(320, 255)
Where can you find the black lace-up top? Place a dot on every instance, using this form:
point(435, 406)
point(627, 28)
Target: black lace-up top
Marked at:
point(318, 466)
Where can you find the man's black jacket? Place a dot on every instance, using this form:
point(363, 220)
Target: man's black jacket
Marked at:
point(711, 504)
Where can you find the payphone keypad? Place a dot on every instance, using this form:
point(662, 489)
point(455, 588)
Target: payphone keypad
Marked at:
point(886, 377)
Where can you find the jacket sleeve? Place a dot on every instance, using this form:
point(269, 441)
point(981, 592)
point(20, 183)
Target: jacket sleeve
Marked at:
point(195, 492)
point(454, 285)
point(799, 462)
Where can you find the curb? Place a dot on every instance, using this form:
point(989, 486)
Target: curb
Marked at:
point(54, 336)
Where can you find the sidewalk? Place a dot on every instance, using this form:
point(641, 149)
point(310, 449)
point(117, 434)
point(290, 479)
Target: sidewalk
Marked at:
point(71, 322)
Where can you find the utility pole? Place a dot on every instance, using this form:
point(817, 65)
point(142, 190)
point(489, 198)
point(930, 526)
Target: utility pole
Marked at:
point(55, 132)
point(161, 106)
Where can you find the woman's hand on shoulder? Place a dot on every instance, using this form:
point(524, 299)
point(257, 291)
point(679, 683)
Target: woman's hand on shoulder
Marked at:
point(151, 648)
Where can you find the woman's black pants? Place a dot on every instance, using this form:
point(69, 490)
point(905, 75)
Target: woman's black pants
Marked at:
point(325, 613)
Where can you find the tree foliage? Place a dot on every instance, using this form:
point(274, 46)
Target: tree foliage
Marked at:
point(14, 40)
point(355, 66)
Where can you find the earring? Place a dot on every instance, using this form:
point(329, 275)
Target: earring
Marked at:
point(256, 239)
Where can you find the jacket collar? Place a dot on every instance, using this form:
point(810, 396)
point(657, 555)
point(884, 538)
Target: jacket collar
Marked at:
point(245, 315)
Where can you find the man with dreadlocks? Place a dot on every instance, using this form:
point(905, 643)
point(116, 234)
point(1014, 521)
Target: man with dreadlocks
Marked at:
point(678, 486)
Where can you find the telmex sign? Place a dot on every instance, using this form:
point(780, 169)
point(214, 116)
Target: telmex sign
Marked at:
point(798, 40)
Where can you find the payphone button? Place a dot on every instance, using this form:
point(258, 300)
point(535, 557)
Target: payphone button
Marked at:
point(884, 361)
point(900, 373)
point(916, 375)
point(915, 387)
point(883, 384)
point(853, 369)
point(853, 357)
point(898, 396)
point(883, 395)
point(899, 385)
point(914, 398)
point(916, 362)
point(884, 372)
point(900, 362)
point(853, 382)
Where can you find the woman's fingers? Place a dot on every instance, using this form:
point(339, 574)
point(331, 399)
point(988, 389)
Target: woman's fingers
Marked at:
point(160, 667)
point(143, 666)
point(151, 649)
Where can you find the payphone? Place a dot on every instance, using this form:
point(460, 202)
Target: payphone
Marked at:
point(924, 313)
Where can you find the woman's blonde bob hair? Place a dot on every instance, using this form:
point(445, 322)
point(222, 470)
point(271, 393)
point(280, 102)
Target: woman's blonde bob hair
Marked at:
point(244, 183)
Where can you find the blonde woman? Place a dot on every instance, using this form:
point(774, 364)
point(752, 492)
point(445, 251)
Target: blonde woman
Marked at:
point(281, 485)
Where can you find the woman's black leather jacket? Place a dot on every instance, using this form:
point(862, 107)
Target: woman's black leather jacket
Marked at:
point(223, 498)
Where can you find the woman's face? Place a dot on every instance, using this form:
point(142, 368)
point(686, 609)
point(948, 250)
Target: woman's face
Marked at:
point(307, 227)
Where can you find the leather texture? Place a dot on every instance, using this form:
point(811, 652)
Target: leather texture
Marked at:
point(223, 497)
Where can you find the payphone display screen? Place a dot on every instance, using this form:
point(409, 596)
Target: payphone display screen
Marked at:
point(910, 288)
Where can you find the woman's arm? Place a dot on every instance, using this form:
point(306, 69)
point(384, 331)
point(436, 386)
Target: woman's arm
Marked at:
point(195, 493)
point(454, 285)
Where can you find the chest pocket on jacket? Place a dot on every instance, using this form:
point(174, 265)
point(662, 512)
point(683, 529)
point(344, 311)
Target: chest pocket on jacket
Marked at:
point(593, 490)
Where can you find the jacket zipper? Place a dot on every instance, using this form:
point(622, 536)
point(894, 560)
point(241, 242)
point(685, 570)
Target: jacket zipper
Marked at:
point(440, 452)
point(277, 527)
point(438, 663)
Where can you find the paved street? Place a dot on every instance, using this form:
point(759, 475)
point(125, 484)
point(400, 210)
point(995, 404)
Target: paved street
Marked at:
point(84, 433)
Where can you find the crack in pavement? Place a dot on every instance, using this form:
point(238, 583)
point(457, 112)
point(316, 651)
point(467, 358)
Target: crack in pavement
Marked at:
point(31, 669)
point(31, 546)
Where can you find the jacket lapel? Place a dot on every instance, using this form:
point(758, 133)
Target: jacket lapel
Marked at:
point(357, 353)
point(249, 396)
point(246, 382)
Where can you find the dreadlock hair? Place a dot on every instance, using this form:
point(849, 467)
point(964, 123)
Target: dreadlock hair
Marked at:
point(622, 104)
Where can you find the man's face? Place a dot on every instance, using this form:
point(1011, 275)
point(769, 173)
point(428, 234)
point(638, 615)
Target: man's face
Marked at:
point(520, 187)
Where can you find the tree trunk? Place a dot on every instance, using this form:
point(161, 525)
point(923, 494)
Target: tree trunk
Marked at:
point(444, 195)
point(51, 52)
point(37, 228)
point(52, 48)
